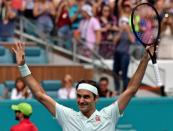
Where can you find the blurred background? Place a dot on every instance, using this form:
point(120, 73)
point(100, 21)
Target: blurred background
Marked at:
point(70, 40)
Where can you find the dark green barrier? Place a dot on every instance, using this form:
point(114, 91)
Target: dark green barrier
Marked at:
point(142, 114)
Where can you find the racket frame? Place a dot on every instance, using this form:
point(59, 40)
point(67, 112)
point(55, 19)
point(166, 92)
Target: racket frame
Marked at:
point(155, 42)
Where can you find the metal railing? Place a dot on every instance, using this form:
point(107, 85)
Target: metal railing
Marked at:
point(28, 31)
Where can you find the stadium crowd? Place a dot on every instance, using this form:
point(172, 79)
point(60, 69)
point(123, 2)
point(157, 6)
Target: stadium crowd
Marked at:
point(67, 90)
point(102, 25)
point(96, 22)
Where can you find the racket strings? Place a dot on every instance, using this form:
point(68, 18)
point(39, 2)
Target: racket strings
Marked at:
point(148, 31)
point(148, 24)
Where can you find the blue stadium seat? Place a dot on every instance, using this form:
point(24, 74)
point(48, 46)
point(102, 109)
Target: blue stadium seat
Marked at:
point(9, 84)
point(2, 88)
point(5, 56)
point(51, 87)
point(35, 55)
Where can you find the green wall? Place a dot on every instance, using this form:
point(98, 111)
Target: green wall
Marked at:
point(142, 114)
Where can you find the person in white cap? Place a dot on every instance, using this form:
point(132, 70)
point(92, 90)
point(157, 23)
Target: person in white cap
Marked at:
point(88, 118)
point(89, 29)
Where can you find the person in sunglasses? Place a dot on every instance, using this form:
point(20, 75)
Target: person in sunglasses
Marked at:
point(23, 111)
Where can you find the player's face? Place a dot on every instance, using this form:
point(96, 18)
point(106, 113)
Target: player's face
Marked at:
point(86, 101)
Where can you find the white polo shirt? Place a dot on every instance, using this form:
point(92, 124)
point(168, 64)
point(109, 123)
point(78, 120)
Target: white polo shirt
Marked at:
point(103, 120)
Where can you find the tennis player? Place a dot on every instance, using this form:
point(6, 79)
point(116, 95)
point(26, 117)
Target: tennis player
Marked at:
point(88, 118)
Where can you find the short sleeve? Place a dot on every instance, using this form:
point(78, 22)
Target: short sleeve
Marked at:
point(96, 24)
point(72, 11)
point(63, 113)
point(112, 111)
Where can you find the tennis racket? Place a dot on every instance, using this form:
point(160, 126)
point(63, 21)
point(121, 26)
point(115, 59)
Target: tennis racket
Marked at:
point(145, 22)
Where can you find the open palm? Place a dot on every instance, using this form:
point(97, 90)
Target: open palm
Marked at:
point(19, 51)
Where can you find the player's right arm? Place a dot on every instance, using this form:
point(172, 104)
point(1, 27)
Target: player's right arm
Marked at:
point(32, 83)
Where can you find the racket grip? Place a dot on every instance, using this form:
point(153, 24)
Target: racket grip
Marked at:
point(157, 74)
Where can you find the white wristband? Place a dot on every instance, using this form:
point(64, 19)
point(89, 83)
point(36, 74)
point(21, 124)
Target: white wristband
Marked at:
point(24, 70)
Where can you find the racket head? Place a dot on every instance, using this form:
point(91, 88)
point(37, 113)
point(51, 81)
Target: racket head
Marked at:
point(145, 23)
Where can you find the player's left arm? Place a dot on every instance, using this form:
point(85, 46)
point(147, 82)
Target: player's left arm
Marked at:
point(134, 83)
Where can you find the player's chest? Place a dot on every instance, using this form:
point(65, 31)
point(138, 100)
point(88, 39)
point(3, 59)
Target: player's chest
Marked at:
point(97, 123)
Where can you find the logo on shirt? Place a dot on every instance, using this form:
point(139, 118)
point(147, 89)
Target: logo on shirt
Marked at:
point(97, 118)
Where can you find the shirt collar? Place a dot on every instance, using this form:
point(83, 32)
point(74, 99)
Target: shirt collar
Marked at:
point(25, 121)
point(96, 113)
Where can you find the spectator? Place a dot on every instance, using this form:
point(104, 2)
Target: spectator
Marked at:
point(97, 5)
point(108, 23)
point(18, 5)
point(3, 93)
point(63, 23)
point(7, 21)
point(28, 9)
point(160, 6)
point(108, 29)
point(121, 59)
point(68, 91)
point(113, 4)
point(43, 11)
point(20, 91)
point(89, 31)
point(56, 2)
point(125, 9)
point(90, 2)
point(122, 42)
point(166, 42)
point(23, 111)
point(75, 14)
point(104, 88)
point(62, 19)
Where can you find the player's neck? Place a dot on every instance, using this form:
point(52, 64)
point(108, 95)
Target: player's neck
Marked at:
point(88, 114)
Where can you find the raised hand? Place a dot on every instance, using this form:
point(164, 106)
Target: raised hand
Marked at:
point(19, 51)
point(152, 51)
